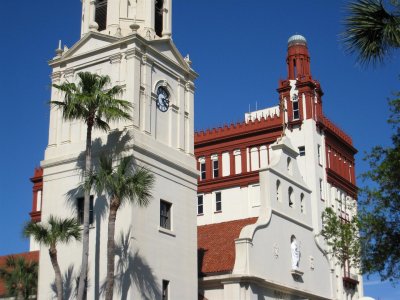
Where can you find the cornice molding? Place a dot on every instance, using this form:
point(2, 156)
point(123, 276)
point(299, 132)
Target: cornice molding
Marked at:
point(116, 58)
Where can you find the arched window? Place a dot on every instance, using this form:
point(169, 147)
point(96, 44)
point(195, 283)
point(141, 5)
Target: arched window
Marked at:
point(290, 194)
point(302, 205)
point(289, 165)
point(278, 190)
point(254, 159)
point(158, 19)
point(100, 16)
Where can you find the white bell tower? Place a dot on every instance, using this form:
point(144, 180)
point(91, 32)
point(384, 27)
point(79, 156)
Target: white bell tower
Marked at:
point(116, 17)
point(129, 41)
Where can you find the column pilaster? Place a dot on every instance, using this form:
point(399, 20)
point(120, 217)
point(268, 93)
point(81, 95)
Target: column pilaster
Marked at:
point(167, 19)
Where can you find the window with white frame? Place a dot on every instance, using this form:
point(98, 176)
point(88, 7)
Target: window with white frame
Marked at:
point(215, 165)
point(200, 204)
point(165, 214)
point(254, 159)
point(202, 162)
point(295, 103)
point(218, 201)
point(238, 161)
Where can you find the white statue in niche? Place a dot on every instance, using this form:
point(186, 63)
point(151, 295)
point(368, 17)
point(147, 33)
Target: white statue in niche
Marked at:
point(295, 253)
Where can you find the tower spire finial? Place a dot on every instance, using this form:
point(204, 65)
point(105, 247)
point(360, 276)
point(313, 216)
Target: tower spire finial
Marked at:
point(59, 50)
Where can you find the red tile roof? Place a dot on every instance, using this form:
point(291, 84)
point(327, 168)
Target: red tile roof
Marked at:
point(29, 256)
point(216, 245)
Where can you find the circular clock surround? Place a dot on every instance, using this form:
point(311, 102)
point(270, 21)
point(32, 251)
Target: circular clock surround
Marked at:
point(162, 100)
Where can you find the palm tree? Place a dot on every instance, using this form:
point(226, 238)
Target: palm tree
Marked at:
point(50, 234)
point(91, 102)
point(371, 30)
point(121, 184)
point(20, 277)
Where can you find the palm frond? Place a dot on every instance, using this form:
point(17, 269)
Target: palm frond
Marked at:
point(101, 124)
point(371, 31)
point(55, 230)
point(140, 186)
point(66, 87)
point(19, 276)
point(38, 231)
point(92, 101)
point(123, 182)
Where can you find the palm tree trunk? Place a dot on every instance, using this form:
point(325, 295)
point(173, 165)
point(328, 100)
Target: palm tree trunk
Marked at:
point(86, 212)
point(111, 249)
point(56, 267)
point(20, 295)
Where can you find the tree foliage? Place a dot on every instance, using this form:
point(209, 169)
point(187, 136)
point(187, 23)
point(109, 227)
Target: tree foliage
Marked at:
point(380, 216)
point(372, 30)
point(54, 231)
point(91, 101)
point(20, 277)
point(50, 234)
point(341, 238)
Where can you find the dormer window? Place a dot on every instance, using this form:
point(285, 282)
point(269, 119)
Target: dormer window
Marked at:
point(158, 19)
point(101, 14)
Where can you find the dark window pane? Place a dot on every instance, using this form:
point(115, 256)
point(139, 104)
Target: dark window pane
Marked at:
point(165, 219)
point(218, 202)
point(80, 202)
point(158, 20)
point(200, 204)
point(215, 168)
point(296, 114)
point(203, 171)
point(302, 151)
point(165, 284)
point(101, 14)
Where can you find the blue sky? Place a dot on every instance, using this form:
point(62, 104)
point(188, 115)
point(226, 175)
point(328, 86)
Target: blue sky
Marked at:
point(237, 47)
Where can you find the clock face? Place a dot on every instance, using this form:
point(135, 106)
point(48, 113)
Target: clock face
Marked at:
point(162, 99)
point(295, 97)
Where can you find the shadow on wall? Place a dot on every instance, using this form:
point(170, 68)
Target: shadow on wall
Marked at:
point(68, 280)
point(117, 144)
point(70, 283)
point(132, 269)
